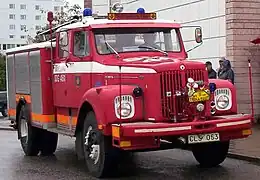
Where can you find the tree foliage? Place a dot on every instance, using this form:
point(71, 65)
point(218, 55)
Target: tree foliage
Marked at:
point(67, 13)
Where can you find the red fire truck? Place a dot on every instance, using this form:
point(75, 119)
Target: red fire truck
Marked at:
point(120, 84)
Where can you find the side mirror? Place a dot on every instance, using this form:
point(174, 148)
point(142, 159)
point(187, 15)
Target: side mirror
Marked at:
point(198, 35)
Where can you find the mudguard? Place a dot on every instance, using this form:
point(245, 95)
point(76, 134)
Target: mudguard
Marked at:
point(102, 101)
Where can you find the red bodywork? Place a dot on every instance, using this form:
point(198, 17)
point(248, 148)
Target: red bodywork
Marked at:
point(156, 114)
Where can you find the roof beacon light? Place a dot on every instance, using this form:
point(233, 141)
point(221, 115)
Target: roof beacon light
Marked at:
point(87, 12)
point(140, 10)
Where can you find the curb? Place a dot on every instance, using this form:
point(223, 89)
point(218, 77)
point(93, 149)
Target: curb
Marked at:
point(238, 156)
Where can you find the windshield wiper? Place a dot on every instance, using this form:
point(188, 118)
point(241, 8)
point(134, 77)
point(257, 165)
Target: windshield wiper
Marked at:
point(150, 47)
point(112, 49)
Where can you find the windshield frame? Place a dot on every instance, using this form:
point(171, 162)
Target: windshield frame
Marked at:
point(97, 31)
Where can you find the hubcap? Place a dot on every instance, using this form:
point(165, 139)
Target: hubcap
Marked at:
point(24, 128)
point(92, 147)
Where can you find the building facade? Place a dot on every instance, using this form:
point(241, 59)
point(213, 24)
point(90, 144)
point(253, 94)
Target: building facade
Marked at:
point(228, 27)
point(18, 19)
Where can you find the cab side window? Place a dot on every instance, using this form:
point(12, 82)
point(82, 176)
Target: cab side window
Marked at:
point(81, 44)
point(63, 44)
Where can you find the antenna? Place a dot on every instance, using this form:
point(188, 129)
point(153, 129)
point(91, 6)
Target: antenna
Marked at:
point(120, 93)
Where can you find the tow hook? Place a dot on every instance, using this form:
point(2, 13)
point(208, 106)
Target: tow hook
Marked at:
point(182, 140)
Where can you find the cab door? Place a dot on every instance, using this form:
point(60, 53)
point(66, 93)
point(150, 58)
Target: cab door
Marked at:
point(60, 83)
point(81, 60)
point(71, 77)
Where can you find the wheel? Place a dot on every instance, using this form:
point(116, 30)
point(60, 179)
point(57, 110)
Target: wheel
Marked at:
point(100, 157)
point(4, 112)
point(79, 146)
point(49, 141)
point(210, 154)
point(29, 135)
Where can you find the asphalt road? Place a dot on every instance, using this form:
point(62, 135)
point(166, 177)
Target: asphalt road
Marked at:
point(170, 164)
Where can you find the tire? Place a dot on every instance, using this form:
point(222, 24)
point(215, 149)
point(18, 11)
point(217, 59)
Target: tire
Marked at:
point(29, 135)
point(106, 160)
point(49, 141)
point(210, 154)
point(4, 112)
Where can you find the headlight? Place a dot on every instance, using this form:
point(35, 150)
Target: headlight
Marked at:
point(127, 106)
point(126, 109)
point(223, 99)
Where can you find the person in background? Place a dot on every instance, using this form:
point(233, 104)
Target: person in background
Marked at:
point(220, 65)
point(227, 73)
point(211, 72)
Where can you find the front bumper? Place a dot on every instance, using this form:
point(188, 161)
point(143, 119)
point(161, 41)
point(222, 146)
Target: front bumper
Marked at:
point(144, 135)
point(219, 124)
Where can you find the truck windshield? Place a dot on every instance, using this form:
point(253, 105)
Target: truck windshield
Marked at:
point(136, 40)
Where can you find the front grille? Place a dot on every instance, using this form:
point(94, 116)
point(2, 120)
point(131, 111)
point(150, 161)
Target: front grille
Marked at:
point(172, 83)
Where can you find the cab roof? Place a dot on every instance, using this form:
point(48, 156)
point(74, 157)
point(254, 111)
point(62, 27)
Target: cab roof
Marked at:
point(105, 23)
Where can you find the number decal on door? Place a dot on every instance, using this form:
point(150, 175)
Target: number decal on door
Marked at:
point(59, 78)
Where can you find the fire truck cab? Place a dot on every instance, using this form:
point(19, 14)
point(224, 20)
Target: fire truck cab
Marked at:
point(118, 85)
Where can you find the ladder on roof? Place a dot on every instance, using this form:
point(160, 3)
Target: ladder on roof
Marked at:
point(45, 35)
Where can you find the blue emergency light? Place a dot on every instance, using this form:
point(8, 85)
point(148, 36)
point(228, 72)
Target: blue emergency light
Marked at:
point(140, 10)
point(87, 12)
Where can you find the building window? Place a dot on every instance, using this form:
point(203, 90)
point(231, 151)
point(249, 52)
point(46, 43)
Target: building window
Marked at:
point(23, 17)
point(56, 8)
point(11, 6)
point(23, 27)
point(13, 45)
point(37, 28)
point(11, 16)
point(23, 6)
point(11, 36)
point(38, 17)
point(18, 45)
point(37, 7)
point(23, 37)
point(8, 46)
point(12, 26)
point(4, 46)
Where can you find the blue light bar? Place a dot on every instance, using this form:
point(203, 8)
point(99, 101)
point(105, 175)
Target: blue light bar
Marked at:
point(140, 10)
point(87, 12)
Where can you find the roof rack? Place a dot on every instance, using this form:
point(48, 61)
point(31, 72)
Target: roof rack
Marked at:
point(45, 35)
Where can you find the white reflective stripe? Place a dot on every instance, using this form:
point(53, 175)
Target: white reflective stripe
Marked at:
point(233, 123)
point(163, 129)
point(95, 67)
point(31, 46)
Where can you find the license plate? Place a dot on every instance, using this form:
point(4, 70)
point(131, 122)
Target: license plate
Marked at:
point(202, 138)
point(199, 96)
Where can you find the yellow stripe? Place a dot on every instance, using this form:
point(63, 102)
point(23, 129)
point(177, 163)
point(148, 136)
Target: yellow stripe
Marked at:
point(48, 118)
point(11, 112)
point(43, 118)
